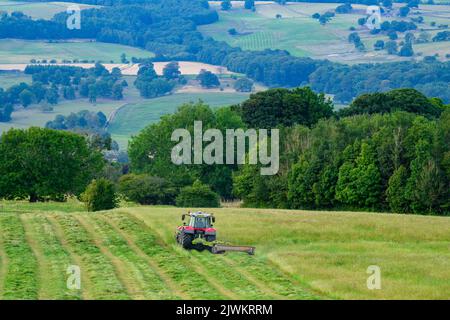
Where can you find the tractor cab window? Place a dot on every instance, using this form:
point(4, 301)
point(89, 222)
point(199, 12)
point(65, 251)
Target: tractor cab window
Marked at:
point(200, 222)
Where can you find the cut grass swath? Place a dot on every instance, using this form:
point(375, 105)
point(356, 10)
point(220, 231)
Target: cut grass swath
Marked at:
point(175, 265)
point(53, 260)
point(146, 282)
point(20, 281)
point(103, 282)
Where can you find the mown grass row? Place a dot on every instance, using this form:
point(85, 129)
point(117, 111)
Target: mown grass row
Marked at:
point(260, 269)
point(229, 277)
point(53, 260)
point(146, 281)
point(99, 277)
point(20, 266)
point(246, 276)
point(178, 267)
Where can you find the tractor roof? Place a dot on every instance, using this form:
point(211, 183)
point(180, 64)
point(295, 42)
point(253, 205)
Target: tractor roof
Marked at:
point(199, 214)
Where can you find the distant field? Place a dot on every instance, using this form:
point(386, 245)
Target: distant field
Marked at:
point(40, 10)
point(22, 51)
point(301, 35)
point(11, 78)
point(130, 253)
point(34, 116)
point(133, 117)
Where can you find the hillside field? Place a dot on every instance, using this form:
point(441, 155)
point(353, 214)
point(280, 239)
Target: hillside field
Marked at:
point(130, 253)
point(133, 117)
point(14, 51)
point(297, 32)
point(40, 10)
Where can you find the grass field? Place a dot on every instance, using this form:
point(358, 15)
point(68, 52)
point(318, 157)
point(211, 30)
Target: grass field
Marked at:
point(133, 117)
point(42, 10)
point(22, 51)
point(130, 253)
point(301, 35)
point(8, 79)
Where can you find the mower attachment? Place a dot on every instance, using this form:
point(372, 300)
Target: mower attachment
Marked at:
point(220, 248)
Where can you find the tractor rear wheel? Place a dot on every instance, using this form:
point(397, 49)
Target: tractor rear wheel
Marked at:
point(186, 240)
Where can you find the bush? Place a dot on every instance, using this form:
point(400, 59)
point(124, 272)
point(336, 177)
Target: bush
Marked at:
point(243, 85)
point(145, 189)
point(100, 195)
point(198, 195)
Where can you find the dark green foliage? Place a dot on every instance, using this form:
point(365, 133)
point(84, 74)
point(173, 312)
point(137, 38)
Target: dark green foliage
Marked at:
point(208, 79)
point(395, 161)
point(406, 50)
point(391, 47)
point(226, 5)
point(379, 45)
point(150, 151)
point(403, 11)
point(442, 36)
point(409, 100)
point(172, 70)
point(199, 196)
point(285, 107)
point(100, 195)
point(152, 86)
point(395, 193)
point(359, 180)
point(26, 98)
point(243, 85)
point(42, 163)
point(249, 4)
point(344, 8)
point(146, 190)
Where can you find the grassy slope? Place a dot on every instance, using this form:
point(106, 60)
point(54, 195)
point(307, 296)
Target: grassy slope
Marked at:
point(135, 113)
point(301, 35)
point(130, 253)
point(34, 116)
point(133, 117)
point(41, 10)
point(11, 78)
point(22, 51)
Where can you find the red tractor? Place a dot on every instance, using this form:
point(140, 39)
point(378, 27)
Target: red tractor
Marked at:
point(200, 226)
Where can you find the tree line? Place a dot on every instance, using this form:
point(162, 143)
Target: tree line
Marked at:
point(385, 152)
point(51, 83)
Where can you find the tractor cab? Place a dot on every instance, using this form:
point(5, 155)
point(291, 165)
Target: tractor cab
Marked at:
point(199, 220)
point(199, 225)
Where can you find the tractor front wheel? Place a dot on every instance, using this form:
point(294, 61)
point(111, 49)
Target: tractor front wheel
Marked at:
point(210, 238)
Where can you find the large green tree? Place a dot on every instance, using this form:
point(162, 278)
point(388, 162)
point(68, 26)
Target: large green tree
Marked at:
point(42, 163)
point(409, 100)
point(150, 151)
point(287, 107)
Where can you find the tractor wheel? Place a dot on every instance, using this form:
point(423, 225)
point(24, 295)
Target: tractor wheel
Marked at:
point(210, 238)
point(186, 240)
